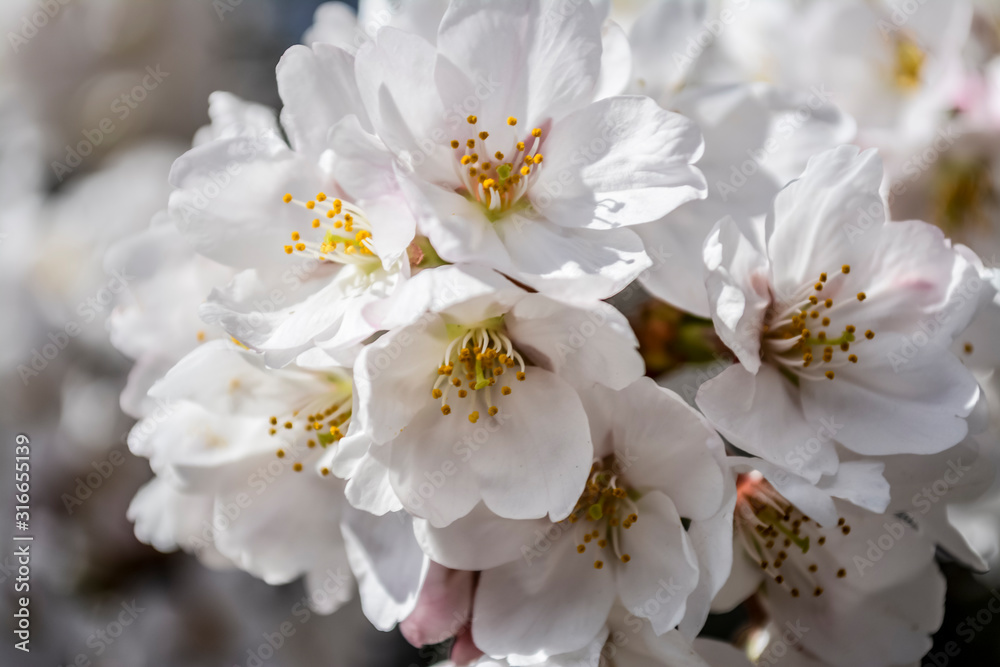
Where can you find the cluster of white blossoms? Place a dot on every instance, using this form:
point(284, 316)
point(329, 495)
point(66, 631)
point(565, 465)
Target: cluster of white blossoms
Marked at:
point(379, 344)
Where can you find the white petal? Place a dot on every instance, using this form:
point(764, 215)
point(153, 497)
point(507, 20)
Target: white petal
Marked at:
point(224, 378)
point(663, 568)
point(370, 489)
point(538, 454)
point(228, 200)
point(571, 263)
point(919, 407)
point(393, 378)
point(712, 541)
point(738, 290)
point(387, 563)
point(556, 603)
point(467, 293)
point(584, 346)
point(674, 244)
point(663, 444)
point(616, 61)
point(481, 540)
point(762, 415)
point(658, 38)
point(638, 165)
point(552, 62)
point(826, 218)
point(318, 88)
point(396, 73)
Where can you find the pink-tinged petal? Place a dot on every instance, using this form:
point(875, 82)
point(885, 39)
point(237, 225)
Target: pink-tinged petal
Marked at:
point(443, 607)
point(464, 651)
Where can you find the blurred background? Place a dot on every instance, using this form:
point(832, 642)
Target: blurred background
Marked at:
point(97, 98)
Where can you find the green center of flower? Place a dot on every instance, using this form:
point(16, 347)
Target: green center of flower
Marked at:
point(810, 333)
point(782, 539)
point(340, 233)
point(498, 179)
point(321, 422)
point(606, 507)
point(473, 363)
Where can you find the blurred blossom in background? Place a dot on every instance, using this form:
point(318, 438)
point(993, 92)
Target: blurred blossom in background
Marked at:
point(97, 100)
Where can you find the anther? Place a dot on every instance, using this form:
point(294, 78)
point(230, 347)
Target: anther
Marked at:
point(861, 296)
point(472, 120)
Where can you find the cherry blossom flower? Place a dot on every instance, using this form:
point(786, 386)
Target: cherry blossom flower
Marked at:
point(472, 396)
point(836, 314)
point(510, 162)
